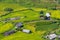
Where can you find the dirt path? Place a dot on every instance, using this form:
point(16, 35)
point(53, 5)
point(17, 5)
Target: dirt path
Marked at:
point(41, 21)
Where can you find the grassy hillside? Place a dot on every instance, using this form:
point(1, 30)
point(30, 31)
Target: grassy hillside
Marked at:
point(31, 3)
point(30, 16)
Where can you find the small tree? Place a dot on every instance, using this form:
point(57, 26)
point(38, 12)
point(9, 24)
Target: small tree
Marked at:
point(8, 10)
point(41, 13)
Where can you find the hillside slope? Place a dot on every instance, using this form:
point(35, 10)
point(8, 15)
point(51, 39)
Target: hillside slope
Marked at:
point(33, 3)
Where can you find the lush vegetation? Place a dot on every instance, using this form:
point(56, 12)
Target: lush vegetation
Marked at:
point(28, 17)
point(32, 3)
point(45, 26)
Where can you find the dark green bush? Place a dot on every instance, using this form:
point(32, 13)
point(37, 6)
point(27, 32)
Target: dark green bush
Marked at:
point(8, 9)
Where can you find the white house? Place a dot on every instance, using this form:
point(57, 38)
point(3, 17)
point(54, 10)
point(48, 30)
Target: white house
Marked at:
point(52, 36)
point(47, 15)
point(26, 31)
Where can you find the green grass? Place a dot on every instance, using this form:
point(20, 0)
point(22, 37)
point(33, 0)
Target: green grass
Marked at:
point(23, 36)
point(45, 26)
point(41, 27)
point(31, 15)
point(5, 27)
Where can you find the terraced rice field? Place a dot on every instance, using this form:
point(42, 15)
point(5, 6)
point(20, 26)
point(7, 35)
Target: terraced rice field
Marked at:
point(38, 28)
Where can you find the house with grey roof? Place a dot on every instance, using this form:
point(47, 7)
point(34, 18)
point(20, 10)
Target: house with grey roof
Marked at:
point(51, 36)
point(9, 32)
point(18, 26)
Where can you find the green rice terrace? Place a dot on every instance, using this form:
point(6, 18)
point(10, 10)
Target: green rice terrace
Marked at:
point(24, 23)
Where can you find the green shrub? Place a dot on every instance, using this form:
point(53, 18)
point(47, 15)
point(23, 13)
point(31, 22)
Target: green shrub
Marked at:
point(8, 9)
